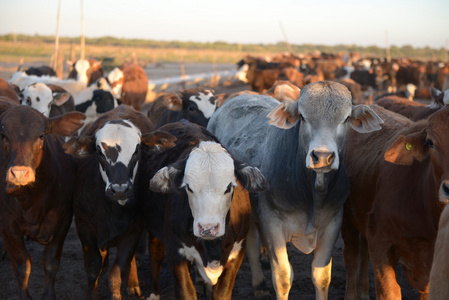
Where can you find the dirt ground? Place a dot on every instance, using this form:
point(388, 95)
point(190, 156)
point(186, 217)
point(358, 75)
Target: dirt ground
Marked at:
point(71, 278)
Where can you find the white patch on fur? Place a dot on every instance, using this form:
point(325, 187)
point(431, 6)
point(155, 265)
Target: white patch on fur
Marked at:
point(41, 91)
point(235, 250)
point(115, 75)
point(213, 269)
point(204, 104)
point(208, 172)
point(154, 297)
point(81, 67)
point(118, 135)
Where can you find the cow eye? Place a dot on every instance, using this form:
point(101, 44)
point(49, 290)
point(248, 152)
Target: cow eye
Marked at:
point(191, 108)
point(301, 117)
point(188, 188)
point(41, 136)
point(28, 101)
point(429, 143)
point(228, 189)
point(2, 135)
point(99, 150)
point(347, 119)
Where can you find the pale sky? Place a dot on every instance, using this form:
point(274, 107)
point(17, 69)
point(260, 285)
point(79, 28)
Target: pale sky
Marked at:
point(329, 22)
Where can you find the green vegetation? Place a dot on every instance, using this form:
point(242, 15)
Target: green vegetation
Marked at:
point(188, 51)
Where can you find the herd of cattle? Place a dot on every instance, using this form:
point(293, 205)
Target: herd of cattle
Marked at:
point(207, 178)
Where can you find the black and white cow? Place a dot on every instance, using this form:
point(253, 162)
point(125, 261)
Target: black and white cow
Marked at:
point(298, 147)
point(49, 99)
point(87, 71)
point(202, 213)
point(107, 213)
point(196, 105)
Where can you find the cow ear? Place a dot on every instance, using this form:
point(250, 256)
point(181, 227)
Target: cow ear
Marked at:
point(220, 99)
point(285, 115)
point(363, 119)
point(60, 98)
point(80, 146)
point(66, 124)
point(173, 102)
point(406, 148)
point(250, 177)
point(437, 96)
point(158, 141)
point(168, 179)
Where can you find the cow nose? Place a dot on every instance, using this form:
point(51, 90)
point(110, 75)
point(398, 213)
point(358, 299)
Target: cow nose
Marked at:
point(322, 159)
point(208, 230)
point(120, 188)
point(20, 175)
point(444, 192)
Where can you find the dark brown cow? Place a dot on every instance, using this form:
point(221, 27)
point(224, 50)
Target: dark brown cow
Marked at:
point(87, 71)
point(129, 84)
point(37, 189)
point(438, 287)
point(107, 213)
point(203, 215)
point(413, 110)
point(393, 209)
point(9, 91)
point(195, 105)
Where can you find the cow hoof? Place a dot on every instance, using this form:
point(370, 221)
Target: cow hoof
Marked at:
point(262, 295)
point(133, 290)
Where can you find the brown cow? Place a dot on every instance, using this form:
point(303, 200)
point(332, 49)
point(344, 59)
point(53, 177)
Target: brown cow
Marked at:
point(439, 273)
point(413, 110)
point(284, 90)
point(396, 176)
point(9, 90)
point(37, 189)
point(129, 84)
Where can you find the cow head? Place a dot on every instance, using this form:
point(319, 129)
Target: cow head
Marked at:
point(424, 139)
point(116, 79)
point(195, 105)
point(87, 71)
point(208, 176)
point(40, 97)
point(117, 149)
point(23, 134)
point(324, 111)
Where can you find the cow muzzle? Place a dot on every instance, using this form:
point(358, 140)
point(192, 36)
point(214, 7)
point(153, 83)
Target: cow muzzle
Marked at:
point(321, 160)
point(443, 193)
point(20, 175)
point(208, 231)
point(119, 192)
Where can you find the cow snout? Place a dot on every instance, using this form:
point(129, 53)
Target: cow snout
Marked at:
point(120, 192)
point(20, 175)
point(208, 231)
point(444, 192)
point(321, 159)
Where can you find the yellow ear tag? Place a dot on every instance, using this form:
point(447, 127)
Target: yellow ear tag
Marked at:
point(408, 146)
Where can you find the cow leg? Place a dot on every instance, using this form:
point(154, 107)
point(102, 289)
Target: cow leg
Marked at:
point(51, 260)
point(156, 250)
point(322, 260)
point(183, 284)
point(120, 270)
point(93, 259)
point(383, 267)
point(225, 284)
point(20, 261)
point(356, 262)
point(252, 251)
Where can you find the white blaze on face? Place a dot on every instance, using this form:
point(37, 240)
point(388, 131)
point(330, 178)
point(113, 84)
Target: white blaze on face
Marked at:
point(115, 78)
point(39, 96)
point(81, 67)
point(117, 140)
point(203, 101)
point(209, 180)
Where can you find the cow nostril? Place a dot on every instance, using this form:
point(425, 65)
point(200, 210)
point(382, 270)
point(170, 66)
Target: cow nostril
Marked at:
point(314, 157)
point(331, 158)
point(445, 188)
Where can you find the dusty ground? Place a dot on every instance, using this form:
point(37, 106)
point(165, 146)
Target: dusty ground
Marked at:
point(71, 279)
